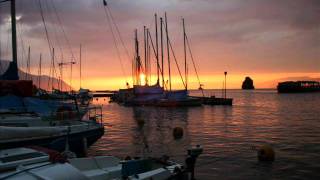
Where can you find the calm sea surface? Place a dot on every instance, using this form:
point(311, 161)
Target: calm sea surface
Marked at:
point(289, 122)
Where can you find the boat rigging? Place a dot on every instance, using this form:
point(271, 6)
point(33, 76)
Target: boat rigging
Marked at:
point(71, 63)
point(111, 22)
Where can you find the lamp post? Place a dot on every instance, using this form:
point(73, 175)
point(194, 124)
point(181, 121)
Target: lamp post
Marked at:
point(225, 84)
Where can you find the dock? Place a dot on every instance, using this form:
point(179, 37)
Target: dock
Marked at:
point(214, 101)
point(217, 101)
point(104, 93)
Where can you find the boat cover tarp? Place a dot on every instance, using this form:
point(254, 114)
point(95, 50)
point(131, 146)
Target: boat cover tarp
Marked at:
point(11, 102)
point(46, 107)
point(42, 107)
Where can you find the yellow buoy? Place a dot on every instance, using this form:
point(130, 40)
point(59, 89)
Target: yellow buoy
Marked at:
point(266, 153)
point(177, 132)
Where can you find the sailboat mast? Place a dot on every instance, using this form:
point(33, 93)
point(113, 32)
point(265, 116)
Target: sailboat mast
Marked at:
point(39, 75)
point(185, 53)
point(145, 53)
point(52, 85)
point(168, 50)
point(161, 43)
point(157, 47)
point(80, 58)
point(148, 58)
point(71, 76)
point(28, 64)
point(138, 61)
point(12, 71)
point(14, 32)
point(61, 73)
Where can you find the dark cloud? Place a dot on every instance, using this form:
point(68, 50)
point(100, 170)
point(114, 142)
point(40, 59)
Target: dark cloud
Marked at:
point(266, 35)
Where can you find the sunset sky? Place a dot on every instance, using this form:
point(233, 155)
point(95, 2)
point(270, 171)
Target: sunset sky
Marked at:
point(268, 40)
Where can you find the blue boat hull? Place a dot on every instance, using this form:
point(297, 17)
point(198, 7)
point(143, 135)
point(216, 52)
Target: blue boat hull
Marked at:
point(58, 143)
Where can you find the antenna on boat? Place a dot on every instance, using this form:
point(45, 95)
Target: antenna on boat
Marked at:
point(168, 50)
point(71, 63)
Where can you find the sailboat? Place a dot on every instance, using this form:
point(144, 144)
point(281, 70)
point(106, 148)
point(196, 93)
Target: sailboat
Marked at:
point(13, 90)
point(176, 98)
point(21, 114)
point(143, 94)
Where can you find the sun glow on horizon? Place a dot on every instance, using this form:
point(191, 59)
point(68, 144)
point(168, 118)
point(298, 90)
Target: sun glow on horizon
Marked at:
point(142, 78)
point(214, 81)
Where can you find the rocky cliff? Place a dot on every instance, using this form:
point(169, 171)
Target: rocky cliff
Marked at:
point(247, 83)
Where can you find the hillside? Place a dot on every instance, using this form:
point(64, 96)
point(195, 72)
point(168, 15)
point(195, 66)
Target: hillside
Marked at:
point(35, 78)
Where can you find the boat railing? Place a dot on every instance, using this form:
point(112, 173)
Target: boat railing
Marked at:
point(95, 114)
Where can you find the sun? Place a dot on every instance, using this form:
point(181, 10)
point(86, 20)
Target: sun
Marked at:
point(142, 78)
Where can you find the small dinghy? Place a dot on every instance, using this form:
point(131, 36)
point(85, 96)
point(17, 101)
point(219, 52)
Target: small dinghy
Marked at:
point(40, 163)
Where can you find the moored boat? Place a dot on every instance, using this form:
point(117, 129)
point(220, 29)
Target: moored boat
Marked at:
point(298, 87)
point(27, 129)
point(187, 102)
point(46, 108)
point(35, 163)
point(143, 93)
point(217, 101)
point(178, 98)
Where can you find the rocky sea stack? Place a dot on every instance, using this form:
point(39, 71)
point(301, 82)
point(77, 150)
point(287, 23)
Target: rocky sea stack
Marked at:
point(247, 83)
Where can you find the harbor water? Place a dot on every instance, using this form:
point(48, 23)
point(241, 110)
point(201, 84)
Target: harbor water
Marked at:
point(290, 123)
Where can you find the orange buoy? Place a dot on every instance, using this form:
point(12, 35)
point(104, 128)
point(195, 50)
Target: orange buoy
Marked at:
point(266, 153)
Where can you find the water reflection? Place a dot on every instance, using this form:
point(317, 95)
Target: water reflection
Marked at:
point(290, 123)
point(152, 132)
